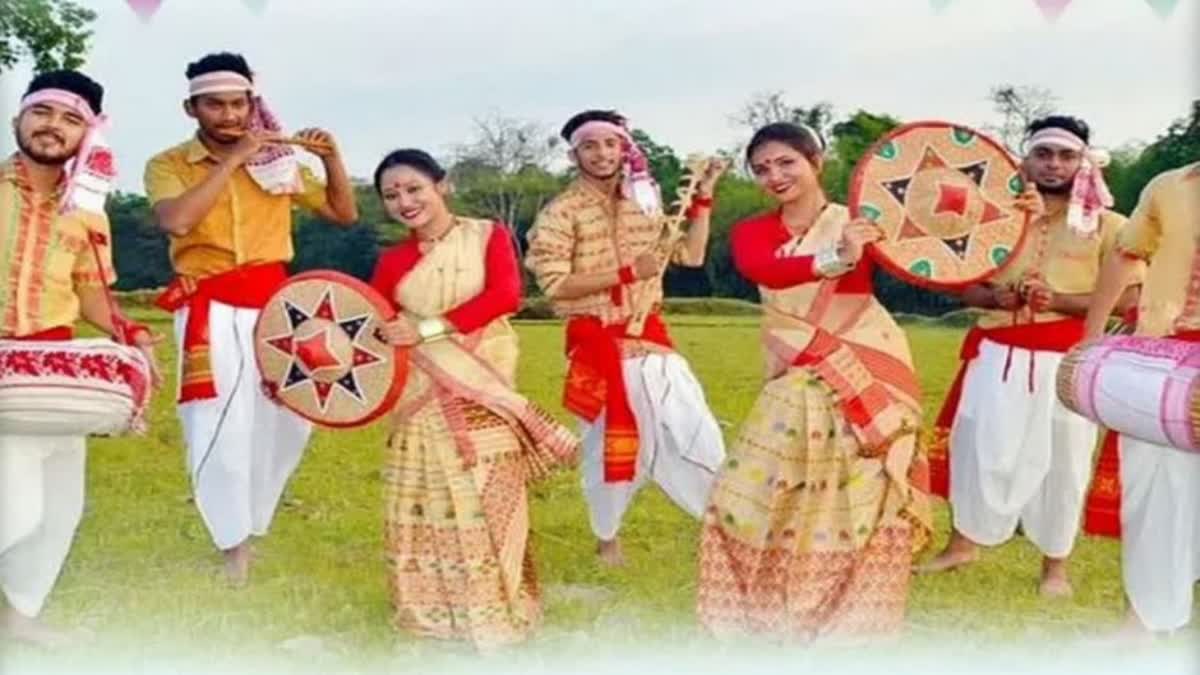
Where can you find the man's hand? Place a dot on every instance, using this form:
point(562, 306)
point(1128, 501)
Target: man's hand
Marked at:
point(1006, 296)
point(1030, 201)
point(249, 145)
point(708, 182)
point(1037, 294)
point(320, 142)
point(145, 342)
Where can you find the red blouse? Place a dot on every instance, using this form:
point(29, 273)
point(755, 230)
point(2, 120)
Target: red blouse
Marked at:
point(501, 292)
point(755, 243)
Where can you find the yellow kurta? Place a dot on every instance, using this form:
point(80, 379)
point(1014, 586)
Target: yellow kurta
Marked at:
point(1164, 230)
point(1069, 264)
point(45, 256)
point(247, 226)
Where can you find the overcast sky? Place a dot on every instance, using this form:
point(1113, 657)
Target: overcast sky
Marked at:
point(381, 74)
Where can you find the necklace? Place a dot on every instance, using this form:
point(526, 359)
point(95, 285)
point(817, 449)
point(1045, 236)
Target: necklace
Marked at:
point(425, 244)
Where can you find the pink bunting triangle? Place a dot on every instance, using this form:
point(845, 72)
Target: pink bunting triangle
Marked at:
point(256, 6)
point(1051, 9)
point(145, 9)
point(1162, 8)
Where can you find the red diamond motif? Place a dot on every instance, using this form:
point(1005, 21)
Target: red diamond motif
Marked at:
point(951, 199)
point(313, 352)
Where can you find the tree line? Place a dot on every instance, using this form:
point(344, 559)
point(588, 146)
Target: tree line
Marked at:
point(507, 171)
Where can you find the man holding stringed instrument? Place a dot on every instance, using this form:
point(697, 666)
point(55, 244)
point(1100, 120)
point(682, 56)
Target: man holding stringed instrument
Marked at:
point(598, 251)
point(56, 263)
point(1016, 455)
point(225, 198)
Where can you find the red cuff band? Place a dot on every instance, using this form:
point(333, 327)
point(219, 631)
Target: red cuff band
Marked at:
point(129, 330)
point(698, 204)
point(136, 329)
point(625, 274)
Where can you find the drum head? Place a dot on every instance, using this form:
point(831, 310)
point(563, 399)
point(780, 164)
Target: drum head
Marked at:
point(319, 354)
point(943, 196)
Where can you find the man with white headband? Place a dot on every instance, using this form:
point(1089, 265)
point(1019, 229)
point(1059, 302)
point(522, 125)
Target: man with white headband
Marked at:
point(643, 414)
point(1160, 486)
point(1016, 454)
point(225, 198)
point(55, 259)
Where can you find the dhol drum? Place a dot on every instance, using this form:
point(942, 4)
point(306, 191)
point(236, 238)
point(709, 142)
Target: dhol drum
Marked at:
point(1147, 388)
point(87, 387)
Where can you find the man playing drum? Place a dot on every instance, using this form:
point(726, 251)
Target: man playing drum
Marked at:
point(1160, 486)
point(55, 259)
point(1016, 455)
point(225, 197)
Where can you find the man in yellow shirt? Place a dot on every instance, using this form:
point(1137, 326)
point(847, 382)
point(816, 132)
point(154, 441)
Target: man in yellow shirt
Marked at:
point(1016, 454)
point(1160, 486)
point(55, 258)
point(225, 199)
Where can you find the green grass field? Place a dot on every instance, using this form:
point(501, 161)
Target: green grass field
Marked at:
point(143, 574)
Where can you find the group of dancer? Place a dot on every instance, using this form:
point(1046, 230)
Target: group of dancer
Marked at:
point(811, 521)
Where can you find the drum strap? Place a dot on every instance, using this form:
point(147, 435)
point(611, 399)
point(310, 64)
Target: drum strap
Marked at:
point(124, 330)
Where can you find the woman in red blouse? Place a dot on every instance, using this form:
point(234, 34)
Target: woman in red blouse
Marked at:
point(815, 517)
point(465, 442)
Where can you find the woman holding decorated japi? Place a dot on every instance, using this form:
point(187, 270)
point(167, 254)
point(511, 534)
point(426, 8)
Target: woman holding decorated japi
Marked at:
point(464, 443)
point(815, 516)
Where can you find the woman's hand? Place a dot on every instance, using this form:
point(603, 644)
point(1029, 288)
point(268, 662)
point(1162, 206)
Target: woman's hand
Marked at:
point(400, 332)
point(858, 233)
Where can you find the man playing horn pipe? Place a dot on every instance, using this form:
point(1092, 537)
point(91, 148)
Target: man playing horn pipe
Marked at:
point(1017, 456)
point(643, 413)
point(225, 199)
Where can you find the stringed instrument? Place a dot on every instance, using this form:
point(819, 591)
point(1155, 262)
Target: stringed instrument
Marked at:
point(695, 168)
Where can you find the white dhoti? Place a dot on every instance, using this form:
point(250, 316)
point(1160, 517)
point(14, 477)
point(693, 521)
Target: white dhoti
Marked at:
point(1160, 531)
point(1018, 455)
point(680, 445)
point(41, 503)
point(242, 448)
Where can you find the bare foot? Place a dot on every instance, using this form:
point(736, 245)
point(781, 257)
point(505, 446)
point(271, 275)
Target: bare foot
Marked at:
point(1132, 631)
point(610, 553)
point(237, 564)
point(1055, 583)
point(20, 628)
point(959, 552)
point(1055, 587)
